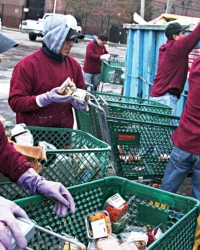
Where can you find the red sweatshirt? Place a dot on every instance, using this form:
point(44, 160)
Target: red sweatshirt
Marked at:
point(173, 64)
point(34, 75)
point(92, 63)
point(12, 163)
point(187, 135)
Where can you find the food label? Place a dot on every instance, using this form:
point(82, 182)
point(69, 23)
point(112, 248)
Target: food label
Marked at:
point(99, 228)
point(158, 234)
point(116, 201)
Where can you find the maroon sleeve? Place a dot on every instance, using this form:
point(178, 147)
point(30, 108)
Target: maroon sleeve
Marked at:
point(79, 81)
point(90, 51)
point(20, 96)
point(187, 44)
point(12, 163)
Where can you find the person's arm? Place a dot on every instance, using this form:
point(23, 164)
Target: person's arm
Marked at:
point(8, 211)
point(12, 163)
point(21, 98)
point(15, 166)
point(187, 44)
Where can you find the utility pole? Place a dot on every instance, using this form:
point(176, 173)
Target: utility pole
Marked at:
point(54, 6)
point(142, 6)
point(169, 6)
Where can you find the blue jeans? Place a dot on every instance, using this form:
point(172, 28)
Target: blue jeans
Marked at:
point(177, 169)
point(167, 99)
point(93, 79)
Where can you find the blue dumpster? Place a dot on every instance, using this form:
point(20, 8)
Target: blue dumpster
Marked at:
point(143, 42)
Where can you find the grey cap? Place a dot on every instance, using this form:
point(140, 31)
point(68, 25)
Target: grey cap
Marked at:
point(6, 43)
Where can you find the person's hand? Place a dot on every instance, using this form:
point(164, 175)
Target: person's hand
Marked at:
point(57, 192)
point(53, 96)
point(105, 57)
point(52, 190)
point(80, 99)
point(8, 211)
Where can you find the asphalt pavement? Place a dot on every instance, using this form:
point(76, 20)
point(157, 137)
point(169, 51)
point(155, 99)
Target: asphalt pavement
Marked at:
point(25, 47)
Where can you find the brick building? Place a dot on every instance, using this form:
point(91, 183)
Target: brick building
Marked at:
point(12, 12)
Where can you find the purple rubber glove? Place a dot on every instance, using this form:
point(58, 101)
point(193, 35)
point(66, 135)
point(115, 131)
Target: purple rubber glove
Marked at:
point(80, 99)
point(52, 190)
point(8, 211)
point(79, 106)
point(52, 96)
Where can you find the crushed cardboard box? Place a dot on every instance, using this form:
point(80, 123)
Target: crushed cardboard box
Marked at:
point(33, 154)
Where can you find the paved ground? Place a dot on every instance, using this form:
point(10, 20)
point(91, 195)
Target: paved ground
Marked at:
point(10, 58)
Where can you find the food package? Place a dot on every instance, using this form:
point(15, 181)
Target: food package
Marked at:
point(140, 238)
point(68, 87)
point(128, 245)
point(46, 146)
point(109, 242)
point(98, 224)
point(118, 226)
point(86, 166)
point(116, 207)
point(71, 246)
point(33, 155)
point(155, 233)
point(21, 135)
point(80, 95)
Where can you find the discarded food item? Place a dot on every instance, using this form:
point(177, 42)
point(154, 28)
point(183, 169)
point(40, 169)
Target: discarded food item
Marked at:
point(155, 233)
point(24, 138)
point(80, 95)
point(98, 224)
point(109, 242)
point(118, 226)
point(140, 238)
point(130, 158)
point(116, 207)
point(71, 246)
point(46, 146)
point(18, 129)
point(68, 87)
point(164, 157)
point(128, 245)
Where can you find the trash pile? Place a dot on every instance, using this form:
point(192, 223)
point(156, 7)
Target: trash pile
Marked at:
point(109, 228)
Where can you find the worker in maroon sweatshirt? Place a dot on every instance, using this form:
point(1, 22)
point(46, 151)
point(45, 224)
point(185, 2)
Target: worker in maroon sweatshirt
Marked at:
point(185, 156)
point(15, 166)
point(173, 64)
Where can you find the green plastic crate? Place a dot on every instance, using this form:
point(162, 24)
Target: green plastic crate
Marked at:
point(133, 102)
point(89, 121)
point(147, 206)
point(140, 149)
point(112, 72)
point(140, 115)
point(70, 167)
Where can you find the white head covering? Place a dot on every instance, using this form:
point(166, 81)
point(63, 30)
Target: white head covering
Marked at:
point(55, 31)
point(57, 28)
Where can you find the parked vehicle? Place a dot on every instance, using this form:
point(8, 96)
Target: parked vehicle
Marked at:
point(90, 37)
point(35, 27)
